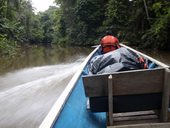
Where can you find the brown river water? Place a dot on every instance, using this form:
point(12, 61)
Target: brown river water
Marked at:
point(31, 83)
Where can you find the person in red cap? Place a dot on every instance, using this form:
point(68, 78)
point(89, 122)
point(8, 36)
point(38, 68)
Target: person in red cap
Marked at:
point(109, 42)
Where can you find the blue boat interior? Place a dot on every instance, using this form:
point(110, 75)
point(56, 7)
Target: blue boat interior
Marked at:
point(75, 113)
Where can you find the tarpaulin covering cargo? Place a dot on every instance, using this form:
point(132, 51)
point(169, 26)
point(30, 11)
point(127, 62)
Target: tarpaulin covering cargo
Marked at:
point(121, 59)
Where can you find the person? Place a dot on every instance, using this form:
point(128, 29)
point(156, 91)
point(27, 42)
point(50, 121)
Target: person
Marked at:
point(109, 42)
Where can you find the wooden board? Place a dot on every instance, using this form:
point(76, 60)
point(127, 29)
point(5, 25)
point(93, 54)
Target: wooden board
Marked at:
point(125, 83)
point(127, 103)
point(146, 125)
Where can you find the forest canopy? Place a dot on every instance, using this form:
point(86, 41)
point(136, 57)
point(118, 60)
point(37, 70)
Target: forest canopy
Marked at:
point(144, 23)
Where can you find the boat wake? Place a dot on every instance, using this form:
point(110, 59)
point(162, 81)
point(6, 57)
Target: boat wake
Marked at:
point(27, 95)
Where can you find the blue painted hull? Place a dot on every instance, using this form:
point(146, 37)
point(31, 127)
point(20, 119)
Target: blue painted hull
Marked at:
point(75, 113)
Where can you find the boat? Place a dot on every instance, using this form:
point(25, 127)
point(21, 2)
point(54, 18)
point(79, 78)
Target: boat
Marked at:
point(71, 110)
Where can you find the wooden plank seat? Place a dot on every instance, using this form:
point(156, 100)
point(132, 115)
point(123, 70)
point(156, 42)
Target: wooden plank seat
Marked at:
point(147, 125)
point(129, 91)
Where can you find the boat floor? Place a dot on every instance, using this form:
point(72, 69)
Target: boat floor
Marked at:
point(146, 125)
point(124, 121)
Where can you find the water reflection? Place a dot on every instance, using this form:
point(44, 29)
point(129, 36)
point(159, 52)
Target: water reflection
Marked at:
point(38, 55)
point(162, 56)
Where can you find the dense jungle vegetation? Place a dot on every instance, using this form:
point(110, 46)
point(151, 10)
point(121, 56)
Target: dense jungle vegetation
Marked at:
point(143, 23)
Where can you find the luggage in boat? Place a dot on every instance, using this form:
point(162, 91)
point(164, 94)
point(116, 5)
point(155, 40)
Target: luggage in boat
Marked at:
point(121, 59)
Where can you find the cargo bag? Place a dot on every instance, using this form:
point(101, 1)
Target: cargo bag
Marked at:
point(121, 59)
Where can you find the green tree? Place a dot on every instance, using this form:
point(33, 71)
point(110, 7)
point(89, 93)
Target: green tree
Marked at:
point(158, 35)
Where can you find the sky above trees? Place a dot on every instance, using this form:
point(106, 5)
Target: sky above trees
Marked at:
point(42, 5)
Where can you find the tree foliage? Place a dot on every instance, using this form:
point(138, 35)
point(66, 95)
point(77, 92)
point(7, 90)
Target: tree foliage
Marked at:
point(84, 22)
point(19, 23)
point(159, 31)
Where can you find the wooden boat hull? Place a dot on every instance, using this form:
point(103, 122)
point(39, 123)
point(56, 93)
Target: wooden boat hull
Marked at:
point(70, 110)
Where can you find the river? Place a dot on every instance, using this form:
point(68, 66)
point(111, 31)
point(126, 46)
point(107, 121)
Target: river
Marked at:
point(31, 83)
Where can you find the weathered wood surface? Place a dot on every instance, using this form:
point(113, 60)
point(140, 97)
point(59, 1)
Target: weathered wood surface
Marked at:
point(165, 97)
point(125, 114)
point(131, 83)
point(146, 125)
point(125, 83)
point(110, 101)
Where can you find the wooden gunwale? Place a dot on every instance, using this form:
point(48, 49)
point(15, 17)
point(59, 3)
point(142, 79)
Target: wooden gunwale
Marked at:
point(51, 117)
